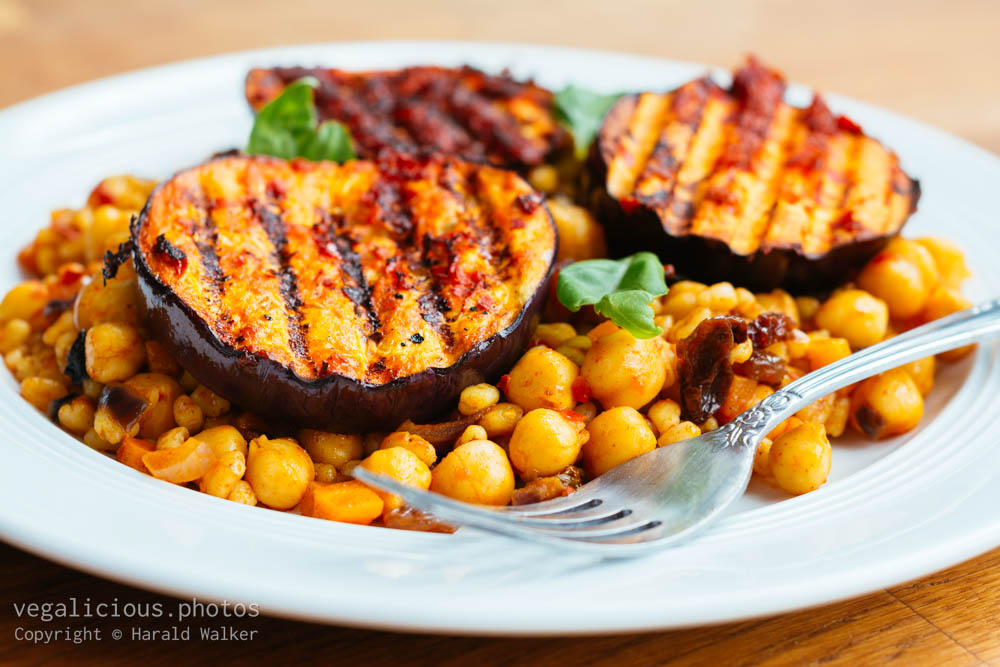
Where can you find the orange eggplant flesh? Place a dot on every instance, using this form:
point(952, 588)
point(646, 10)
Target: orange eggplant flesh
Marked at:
point(347, 296)
point(738, 185)
point(459, 111)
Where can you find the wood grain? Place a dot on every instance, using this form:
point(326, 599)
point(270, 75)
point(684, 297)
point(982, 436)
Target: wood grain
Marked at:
point(934, 61)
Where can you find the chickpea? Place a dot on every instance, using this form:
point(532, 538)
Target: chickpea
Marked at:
point(682, 298)
point(922, 372)
point(175, 437)
point(224, 438)
point(761, 458)
point(686, 325)
point(326, 473)
point(77, 416)
point(333, 448)
point(580, 236)
point(887, 404)
point(188, 414)
point(222, 477)
point(741, 352)
point(542, 378)
point(800, 458)
point(544, 178)
point(41, 391)
point(501, 419)
point(807, 307)
point(472, 432)
point(160, 392)
point(605, 328)
point(546, 442)
point(242, 493)
point(477, 397)
point(114, 300)
point(839, 414)
point(720, 298)
point(555, 333)
point(95, 441)
point(188, 382)
point(624, 371)
point(616, 436)
point(114, 351)
point(945, 301)
point(24, 302)
point(62, 325)
point(13, 334)
point(919, 256)
point(279, 471)
point(400, 464)
point(855, 315)
point(684, 430)
point(475, 472)
point(424, 450)
point(664, 414)
point(210, 403)
point(948, 259)
point(586, 410)
point(780, 301)
point(897, 281)
point(574, 354)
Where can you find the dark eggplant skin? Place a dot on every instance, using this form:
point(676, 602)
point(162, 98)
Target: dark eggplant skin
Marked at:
point(709, 260)
point(333, 403)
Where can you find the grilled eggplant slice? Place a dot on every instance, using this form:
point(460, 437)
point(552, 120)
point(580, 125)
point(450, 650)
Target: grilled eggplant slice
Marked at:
point(458, 111)
point(737, 185)
point(347, 297)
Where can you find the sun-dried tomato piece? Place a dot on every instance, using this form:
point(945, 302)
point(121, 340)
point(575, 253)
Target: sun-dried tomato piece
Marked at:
point(769, 328)
point(763, 367)
point(704, 368)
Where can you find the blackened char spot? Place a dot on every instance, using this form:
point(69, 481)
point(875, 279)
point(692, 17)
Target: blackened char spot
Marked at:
point(171, 255)
point(416, 338)
point(114, 260)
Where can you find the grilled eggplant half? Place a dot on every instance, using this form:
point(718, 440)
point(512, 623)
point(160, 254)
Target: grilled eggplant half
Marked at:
point(346, 297)
point(459, 111)
point(735, 184)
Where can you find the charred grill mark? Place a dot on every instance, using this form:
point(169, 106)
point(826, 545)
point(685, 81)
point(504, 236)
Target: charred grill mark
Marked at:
point(434, 306)
point(277, 232)
point(687, 107)
point(206, 239)
point(330, 239)
point(424, 109)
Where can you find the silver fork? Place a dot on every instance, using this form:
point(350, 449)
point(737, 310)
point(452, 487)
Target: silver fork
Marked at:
point(664, 497)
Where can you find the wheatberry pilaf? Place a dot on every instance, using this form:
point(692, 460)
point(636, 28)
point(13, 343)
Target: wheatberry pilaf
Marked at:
point(585, 397)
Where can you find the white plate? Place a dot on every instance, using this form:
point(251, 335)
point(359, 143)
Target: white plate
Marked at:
point(891, 511)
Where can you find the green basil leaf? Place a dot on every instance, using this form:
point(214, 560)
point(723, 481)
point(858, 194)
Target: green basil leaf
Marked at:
point(582, 111)
point(286, 128)
point(630, 310)
point(618, 289)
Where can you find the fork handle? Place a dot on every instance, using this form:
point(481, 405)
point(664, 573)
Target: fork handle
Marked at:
point(947, 333)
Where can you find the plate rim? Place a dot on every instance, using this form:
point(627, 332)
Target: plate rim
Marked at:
point(943, 554)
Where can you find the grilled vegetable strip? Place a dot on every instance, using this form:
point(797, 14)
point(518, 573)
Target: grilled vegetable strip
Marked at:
point(459, 111)
point(743, 168)
point(369, 271)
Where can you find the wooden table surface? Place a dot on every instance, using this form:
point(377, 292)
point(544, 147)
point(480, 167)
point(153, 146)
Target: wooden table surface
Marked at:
point(939, 62)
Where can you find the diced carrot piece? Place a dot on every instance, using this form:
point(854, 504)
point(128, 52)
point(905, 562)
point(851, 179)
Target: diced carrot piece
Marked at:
point(131, 451)
point(823, 351)
point(181, 464)
point(741, 396)
point(349, 502)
